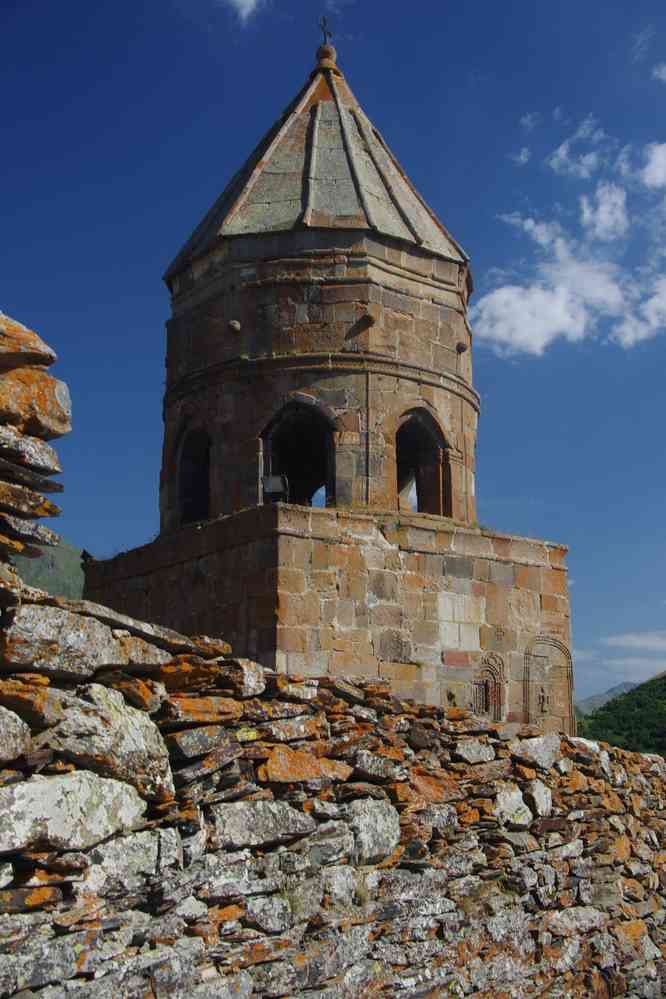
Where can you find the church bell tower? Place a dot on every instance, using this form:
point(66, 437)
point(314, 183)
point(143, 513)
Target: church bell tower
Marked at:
point(317, 492)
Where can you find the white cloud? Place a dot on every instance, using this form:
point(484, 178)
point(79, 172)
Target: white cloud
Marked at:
point(244, 8)
point(646, 321)
point(590, 130)
point(640, 43)
point(659, 72)
point(569, 163)
point(543, 233)
point(530, 120)
point(523, 319)
point(597, 269)
point(653, 173)
point(571, 291)
point(523, 157)
point(643, 641)
point(605, 216)
point(622, 163)
point(582, 166)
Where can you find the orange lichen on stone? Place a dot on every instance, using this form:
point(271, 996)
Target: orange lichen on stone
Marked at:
point(35, 402)
point(21, 346)
point(25, 502)
point(202, 710)
point(286, 765)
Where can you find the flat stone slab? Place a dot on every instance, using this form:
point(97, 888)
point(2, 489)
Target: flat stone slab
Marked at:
point(258, 823)
point(98, 729)
point(35, 403)
point(21, 346)
point(28, 451)
point(55, 642)
point(71, 812)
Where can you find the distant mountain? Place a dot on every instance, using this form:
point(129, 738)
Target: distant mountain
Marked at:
point(58, 571)
point(590, 704)
point(635, 721)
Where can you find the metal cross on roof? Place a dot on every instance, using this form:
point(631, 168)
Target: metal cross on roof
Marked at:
point(323, 24)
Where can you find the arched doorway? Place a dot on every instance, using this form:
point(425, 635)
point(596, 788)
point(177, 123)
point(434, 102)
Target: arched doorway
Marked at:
point(424, 478)
point(488, 689)
point(298, 457)
point(194, 477)
point(548, 685)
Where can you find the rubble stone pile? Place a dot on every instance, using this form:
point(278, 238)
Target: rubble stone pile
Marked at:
point(175, 822)
point(34, 408)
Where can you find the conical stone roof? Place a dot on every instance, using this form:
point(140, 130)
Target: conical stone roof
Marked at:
point(323, 165)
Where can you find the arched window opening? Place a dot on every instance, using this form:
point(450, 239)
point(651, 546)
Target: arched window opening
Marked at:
point(488, 690)
point(298, 458)
point(194, 477)
point(424, 481)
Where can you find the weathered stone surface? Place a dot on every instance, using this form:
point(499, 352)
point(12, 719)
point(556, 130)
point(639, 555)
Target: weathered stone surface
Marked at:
point(273, 915)
point(205, 766)
point(15, 737)
point(286, 765)
point(100, 731)
point(539, 798)
point(245, 677)
point(11, 472)
point(580, 919)
point(190, 709)
point(376, 828)
point(474, 751)
point(25, 502)
point(542, 751)
point(510, 807)
point(58, 643)
point(126, 862)
point(36, 703)
point(369, 858)
point(192, 742)
point(35, 402)
point(155, 634)
point(67, 813)
point(27, 530)
point(259, 823)
point(20, 346)
point(143, 694)
point(29, 452)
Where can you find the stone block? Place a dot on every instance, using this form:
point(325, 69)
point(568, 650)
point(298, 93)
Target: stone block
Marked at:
point(35, 402)
point(503, 573)
point(461, 567)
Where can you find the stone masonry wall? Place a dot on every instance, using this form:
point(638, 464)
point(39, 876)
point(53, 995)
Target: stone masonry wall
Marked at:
point(365, 329)
point(176, 823)
point(430, 606)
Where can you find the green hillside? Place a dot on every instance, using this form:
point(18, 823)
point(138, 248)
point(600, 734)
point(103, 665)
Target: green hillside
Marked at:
point(636, 720)
point(58, 571)
point(590, 704)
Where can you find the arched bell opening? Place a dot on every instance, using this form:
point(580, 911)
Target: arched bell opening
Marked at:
point(298, 458)
point(194, 477)
point(423, 470)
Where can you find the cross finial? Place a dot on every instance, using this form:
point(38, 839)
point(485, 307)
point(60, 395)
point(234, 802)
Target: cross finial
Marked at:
point(327, 33)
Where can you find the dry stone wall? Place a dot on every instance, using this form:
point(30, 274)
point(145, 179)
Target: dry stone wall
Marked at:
point(176, 822)
point(34, 408)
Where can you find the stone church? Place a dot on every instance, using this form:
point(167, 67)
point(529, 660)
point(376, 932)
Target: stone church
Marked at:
point(317, 492)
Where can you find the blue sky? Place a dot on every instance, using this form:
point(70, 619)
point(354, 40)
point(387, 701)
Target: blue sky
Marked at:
point(536, 132)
